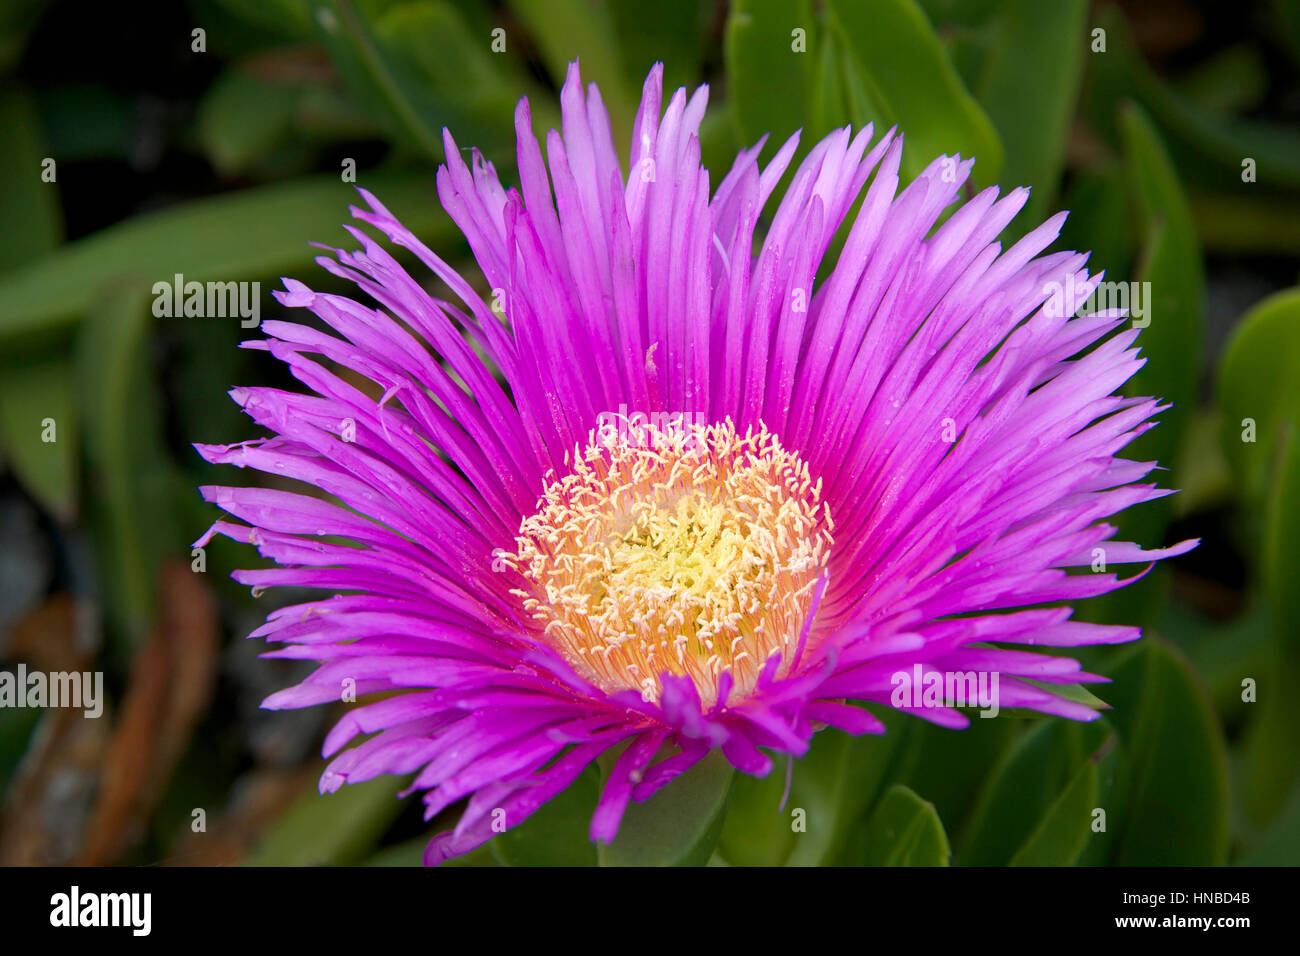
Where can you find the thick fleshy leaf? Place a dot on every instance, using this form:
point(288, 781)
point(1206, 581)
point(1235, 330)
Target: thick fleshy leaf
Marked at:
point(411, 853)
point(246, 235)
point(1259, 396)
point(718, 141)
point(1230, 81)
point(1205, 481)
point(1166, 300)
point(412, 109)
point(1271, 762)
point(35, 391)
point(1279, 844)
point(38, 429)
point(903, 830)
point(1271, 745)
point(132, 473)
point(678, 826)
point(911, 82)
point(828, 106)
point(473, 86)
point(1177, 804)
point(16, 21)
point(568, 30)
point(1282, 538)
point(557, 834)
point(1121, 72)
point(1029, 84)
point(1016, 807)
point(330, 829)
point(948, 766)
point(674, 32)
point(836, 782)
point(1064, 829)
point(28, 198)
point(1224, 652)
point(286, 19)
point(1100, 218)
point(769, 80)
point(759, 830)
point(1114, 771)
point(831, 788)
point(1258, 390)
point(242, 118)
point(1171, 262)
point(964, 13)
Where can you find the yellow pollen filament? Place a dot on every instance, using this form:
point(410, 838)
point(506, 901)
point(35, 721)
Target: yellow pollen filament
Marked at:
point(675, 548)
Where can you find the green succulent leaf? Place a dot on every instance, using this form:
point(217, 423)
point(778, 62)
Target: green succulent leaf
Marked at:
point(1121, 72)
point(1258, 390)
point(126, 453)
point(1271, 762)
point(948, 766)
point(1063, 830)
point(567, 30)
point(1171, 262)
point(1166, 300)
point(242, 118)
point(673, 32)
point(909, 80)
point(414, 111)
point(245, 235)
point(1045, 41)
point(1100, 219)
point(1177, 804)
point(38, 429)
point(770, 79)
point(1028, 803)
point(758, 830)
point(28, 198)
point(679, 825)
point(835, 783)
point(1279, 843)
point(557, 834)
point(38, 415)
point(903, 830)
point(331, 829)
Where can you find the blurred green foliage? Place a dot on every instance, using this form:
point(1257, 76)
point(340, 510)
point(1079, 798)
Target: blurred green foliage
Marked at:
point(1173, 142)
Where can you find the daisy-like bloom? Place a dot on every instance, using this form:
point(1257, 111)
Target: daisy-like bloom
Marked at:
point(672, 485)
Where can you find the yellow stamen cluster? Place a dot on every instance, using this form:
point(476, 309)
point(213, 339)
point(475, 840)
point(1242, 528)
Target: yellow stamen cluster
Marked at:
point(678, 548)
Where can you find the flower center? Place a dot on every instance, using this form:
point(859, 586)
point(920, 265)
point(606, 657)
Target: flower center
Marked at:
point(676, 548)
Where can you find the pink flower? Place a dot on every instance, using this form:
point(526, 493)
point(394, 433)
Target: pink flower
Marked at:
point(681, 491)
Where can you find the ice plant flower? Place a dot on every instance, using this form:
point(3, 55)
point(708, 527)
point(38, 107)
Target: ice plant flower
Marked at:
point(673, 486)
